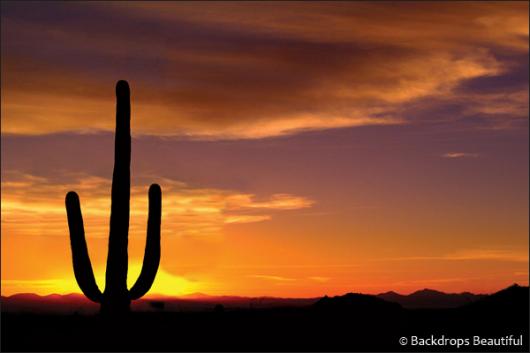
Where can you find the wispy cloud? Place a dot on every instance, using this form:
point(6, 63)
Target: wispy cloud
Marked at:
point(273, 278)
point(34, 205)
point(319, 279)
point(275, 202)
point(246, 218)
point(460, 155)
point(488, 254)
point(237, 71)
point(521, 273)
point(471, 255)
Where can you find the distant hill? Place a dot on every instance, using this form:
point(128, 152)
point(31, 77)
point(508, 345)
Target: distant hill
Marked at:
point(72, 303)
point(355, 302)
point(53, 303)
point(503, 304)
point(506, 298)
point(429, 298)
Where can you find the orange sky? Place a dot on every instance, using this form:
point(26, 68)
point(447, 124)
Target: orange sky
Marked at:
point(302, 149)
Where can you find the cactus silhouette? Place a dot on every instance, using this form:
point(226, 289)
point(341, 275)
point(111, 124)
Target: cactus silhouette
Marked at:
point(116, 298)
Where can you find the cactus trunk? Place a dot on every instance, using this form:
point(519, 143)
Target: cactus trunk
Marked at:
point(117, 298)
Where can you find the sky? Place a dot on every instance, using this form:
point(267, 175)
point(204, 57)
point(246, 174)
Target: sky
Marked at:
point(303, 148)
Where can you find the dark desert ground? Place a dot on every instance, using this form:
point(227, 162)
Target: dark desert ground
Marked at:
point(353, 322)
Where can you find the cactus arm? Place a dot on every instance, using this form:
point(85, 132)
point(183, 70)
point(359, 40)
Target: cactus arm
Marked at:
point(152, 245)
point(116, 274)
point(81, 261)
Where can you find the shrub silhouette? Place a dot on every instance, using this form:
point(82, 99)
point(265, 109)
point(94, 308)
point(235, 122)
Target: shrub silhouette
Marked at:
point(116, 298)
point(219, 308)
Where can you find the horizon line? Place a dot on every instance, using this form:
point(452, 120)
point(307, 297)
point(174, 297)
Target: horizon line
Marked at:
point(190, 296)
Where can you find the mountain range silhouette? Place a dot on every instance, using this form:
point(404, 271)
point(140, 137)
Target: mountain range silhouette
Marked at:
point(70, 303)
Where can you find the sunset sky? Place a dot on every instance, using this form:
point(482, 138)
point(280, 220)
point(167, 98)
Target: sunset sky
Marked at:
point(302, 148)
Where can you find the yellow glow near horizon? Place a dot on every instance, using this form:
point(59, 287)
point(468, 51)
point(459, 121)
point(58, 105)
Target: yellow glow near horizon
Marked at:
point(165, 284)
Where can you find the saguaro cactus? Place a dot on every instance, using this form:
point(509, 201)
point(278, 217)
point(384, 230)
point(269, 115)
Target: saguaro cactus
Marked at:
point(117, 298)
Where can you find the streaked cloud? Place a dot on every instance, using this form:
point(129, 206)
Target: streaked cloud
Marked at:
point(488, 254)
point(233, 71)
point(275, 202)
point(471, 255)
point(246, 218)
point(33, 205)
point(273, 278)
point(460, 155)
point(319, 279)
